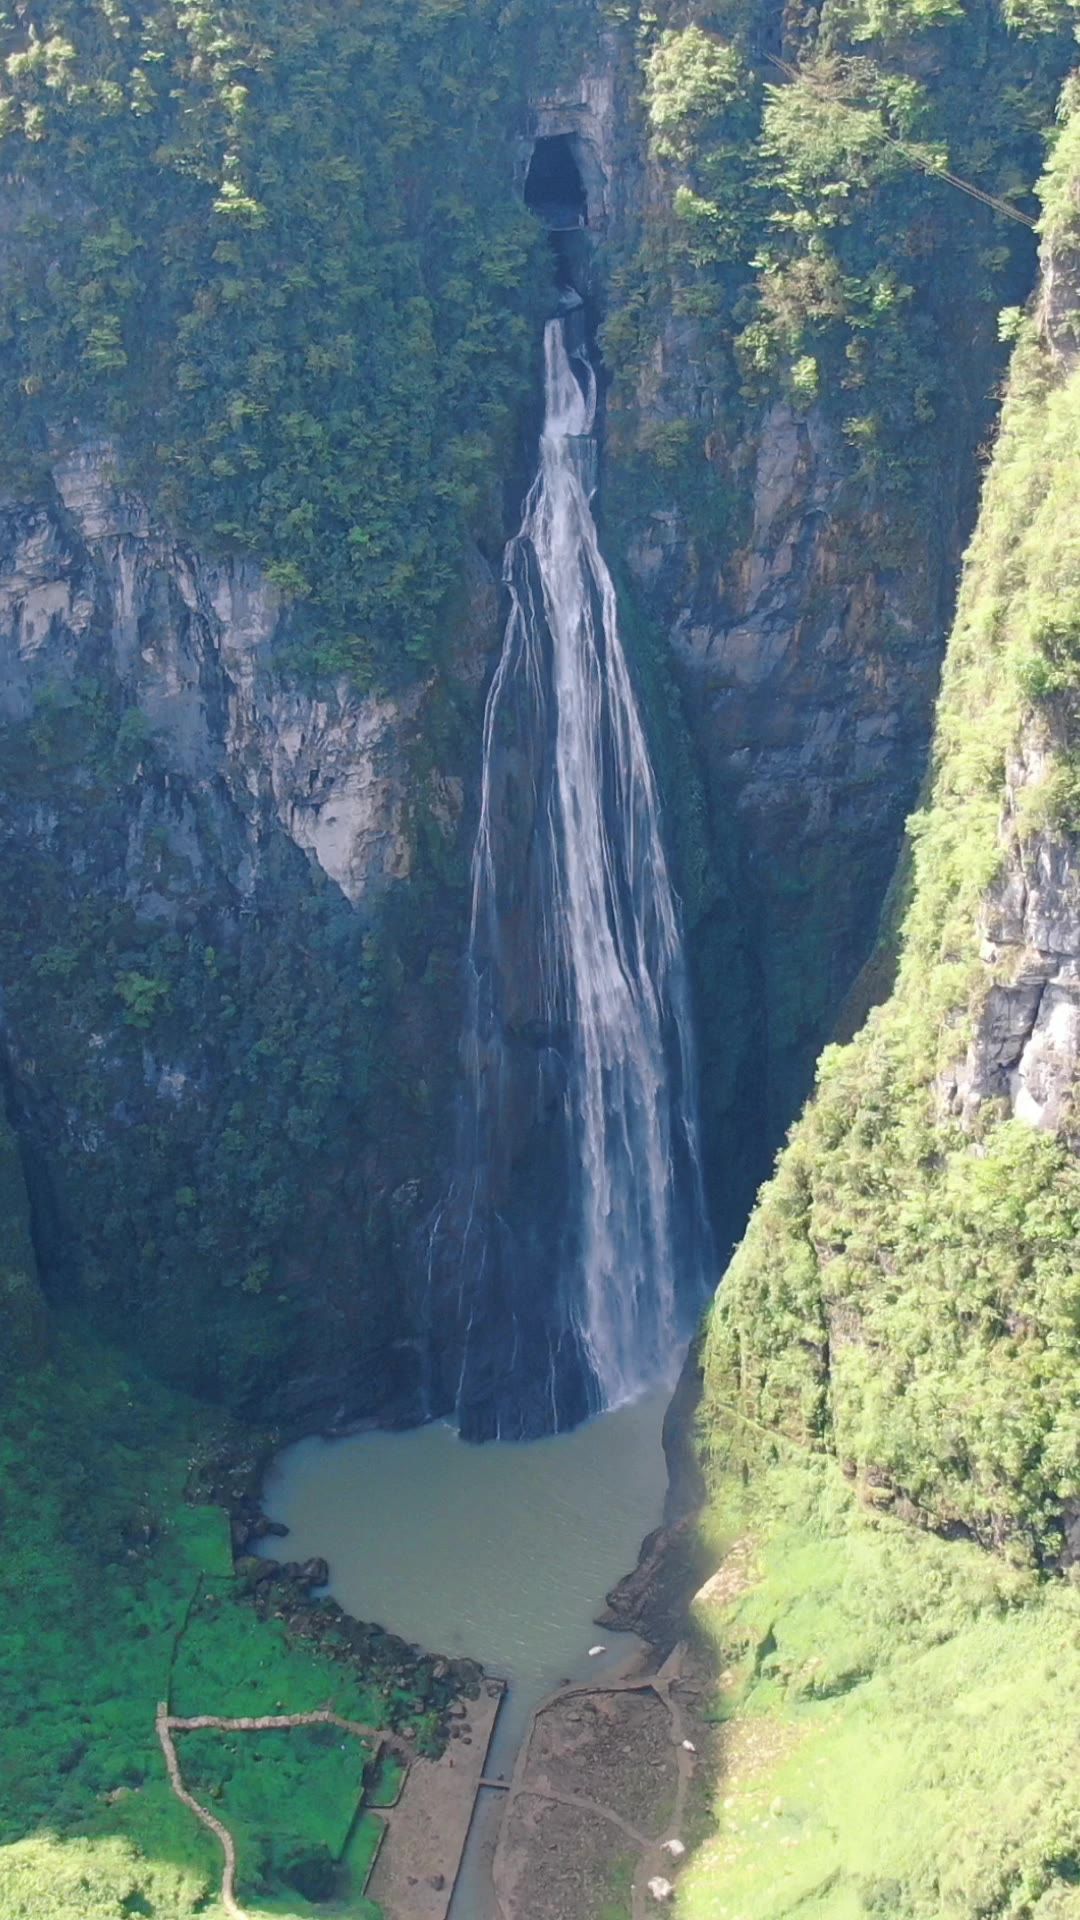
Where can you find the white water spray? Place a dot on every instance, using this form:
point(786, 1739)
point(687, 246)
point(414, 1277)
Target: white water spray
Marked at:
point(607, 932)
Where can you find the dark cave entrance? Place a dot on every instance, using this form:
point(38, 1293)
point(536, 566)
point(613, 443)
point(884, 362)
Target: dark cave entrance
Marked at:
point(560, 172)
point(554, 188)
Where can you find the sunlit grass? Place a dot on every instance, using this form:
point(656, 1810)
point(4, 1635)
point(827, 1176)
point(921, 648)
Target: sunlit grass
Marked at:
point(897, 1728)
point(114, 1595)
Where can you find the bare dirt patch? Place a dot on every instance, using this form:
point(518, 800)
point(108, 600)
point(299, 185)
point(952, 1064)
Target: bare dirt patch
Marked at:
point(614, 1748)
point(558, 1861)
point(601, 1785)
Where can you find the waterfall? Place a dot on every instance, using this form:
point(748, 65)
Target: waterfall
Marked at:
point(592, 1249)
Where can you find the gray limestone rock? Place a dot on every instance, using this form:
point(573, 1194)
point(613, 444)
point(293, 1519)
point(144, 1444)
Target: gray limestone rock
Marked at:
point(1025, 1047)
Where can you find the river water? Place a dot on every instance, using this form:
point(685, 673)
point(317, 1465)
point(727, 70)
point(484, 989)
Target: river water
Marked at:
point(502, 1553)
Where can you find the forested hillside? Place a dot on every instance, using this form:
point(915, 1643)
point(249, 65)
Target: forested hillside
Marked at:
point(891, 1364)
point(274, 254)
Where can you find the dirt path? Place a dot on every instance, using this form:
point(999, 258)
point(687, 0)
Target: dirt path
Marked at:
point(168, 1724)
point(420, 1858)
point(584, 1805)
point(652, 1861)
point(210, 1821)
point(421, 1855)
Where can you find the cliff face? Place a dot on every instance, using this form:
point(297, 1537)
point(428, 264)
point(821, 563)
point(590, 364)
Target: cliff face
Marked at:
point(1025, 1047)
point(906, 1295)
point(90, 583)
point(810, 671)
point(232, 1008)
point(224, 1039)
point(792, 468)
point(800, 338)
point(24, 1311)
point(896, 1339)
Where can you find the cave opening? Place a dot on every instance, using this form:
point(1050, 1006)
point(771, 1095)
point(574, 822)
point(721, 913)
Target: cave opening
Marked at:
point(554, 188)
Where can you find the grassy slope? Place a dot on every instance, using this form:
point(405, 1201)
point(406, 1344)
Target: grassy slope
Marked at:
point(114, 1595)
point(899, 1734)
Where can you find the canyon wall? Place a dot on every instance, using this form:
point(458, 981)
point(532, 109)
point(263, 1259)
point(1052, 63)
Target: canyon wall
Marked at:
point(224, 1038)
point(237, 812)
point(906, 1294)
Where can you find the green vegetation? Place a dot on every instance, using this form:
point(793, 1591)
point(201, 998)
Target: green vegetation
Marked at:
point(363, 1847)
point(894, 1726)
point(384, 1790)
point(907, 1292)
point(276, 262)
point(115, 1594)
point(897, 1339)
point(797, 312)
point(249, 1781)
point(241, 1071)
point(279, 259)
point(280, 262)
point(22, 1309)
point(801, 220)
point(618, 1897)
point(281, 266)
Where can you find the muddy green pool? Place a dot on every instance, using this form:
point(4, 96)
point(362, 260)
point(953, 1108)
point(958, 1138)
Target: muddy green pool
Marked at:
point(503, 1553)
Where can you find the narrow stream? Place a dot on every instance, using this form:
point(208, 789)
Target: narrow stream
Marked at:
point(502, 1553)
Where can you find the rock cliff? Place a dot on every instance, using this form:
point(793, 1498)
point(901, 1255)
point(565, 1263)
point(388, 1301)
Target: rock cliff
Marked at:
point(1025, 1049)
point(223, 1036)
point(906, 1294)
point(233, 1002)
point(795, 555)
point(90, 582)
point(788, 592)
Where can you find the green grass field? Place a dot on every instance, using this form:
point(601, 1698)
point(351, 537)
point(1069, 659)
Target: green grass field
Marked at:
point(114, 1595)
point(898, 1721)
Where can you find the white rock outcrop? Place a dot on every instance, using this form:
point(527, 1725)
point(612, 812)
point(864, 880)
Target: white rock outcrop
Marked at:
point(1025, 1048)
point(94, 582)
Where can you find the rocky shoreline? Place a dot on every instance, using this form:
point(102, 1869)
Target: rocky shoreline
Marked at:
point(653, 1599)
point(434, 1688)
point(440, 1697)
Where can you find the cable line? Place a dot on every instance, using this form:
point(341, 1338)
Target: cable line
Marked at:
point(907, 153)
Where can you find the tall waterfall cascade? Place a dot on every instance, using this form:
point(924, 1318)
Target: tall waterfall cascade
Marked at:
point(577, 1224)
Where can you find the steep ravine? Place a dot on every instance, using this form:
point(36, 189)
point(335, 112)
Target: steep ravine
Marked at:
point(272, 317)
point(791, 527)
point(231, 1026)
point(883, 1659)
point(890, 1403)
point(924, 1210)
